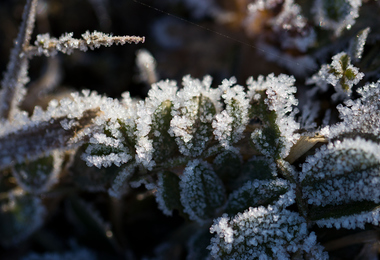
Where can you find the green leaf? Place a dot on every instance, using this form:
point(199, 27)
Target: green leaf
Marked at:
point(163, 144)
point(193, 138)
point(341, 181)
point(258, 168)
point(20, 215)
point(260, 193)
point(228, 165)
point(202, 191)
point(39, 175)
point(168, 192)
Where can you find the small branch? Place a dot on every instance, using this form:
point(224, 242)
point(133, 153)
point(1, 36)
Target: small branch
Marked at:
point(50, 46)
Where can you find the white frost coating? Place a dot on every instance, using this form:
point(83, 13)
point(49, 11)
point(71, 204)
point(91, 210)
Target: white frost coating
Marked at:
point(280, 99)
point(335, 74)
point(352, 221)
point(342, 172)
point(347, 11)
point(231, 122)
point(144, 147)
point(100, 161)
point(258, 231)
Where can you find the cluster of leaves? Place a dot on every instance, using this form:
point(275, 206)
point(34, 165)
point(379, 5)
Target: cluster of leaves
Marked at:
point(236, 163)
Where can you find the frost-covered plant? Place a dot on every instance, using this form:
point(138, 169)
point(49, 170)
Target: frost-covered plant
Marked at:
point(236, 163)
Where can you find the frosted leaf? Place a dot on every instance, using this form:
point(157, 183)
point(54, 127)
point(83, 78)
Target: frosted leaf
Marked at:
point(340, 73)
point(104, 151)
point(274, 105)
point(359, 116)
point(342, 172)
point(356, 47)
point(260, 193)
point(164, 145)
point(336, 15)
point(153, 123)
point(113, 137)
point(168, 193)
point(193, 112)
point(263, 233)
point(20, 215)
point(352, 221)
point(201, 191)
point(231, 122)
point(38, 176)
